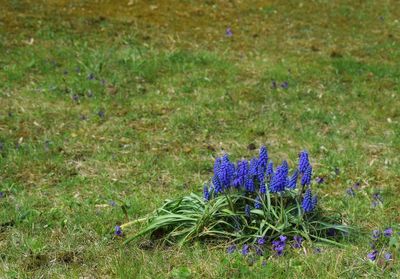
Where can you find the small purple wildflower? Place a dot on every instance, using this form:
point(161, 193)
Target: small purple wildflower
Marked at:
point(374, 204)
point(298, 240)
point(228, 32)
point(377, 197)
point(259, 251)
point(75, 98)
point(388, 232)
point(2, 195)
point(388, 256)
point(112, 203)
point(372, 256)
point(245, 250)
point(101, 114)
point(118, 231)
point(285, 85)
point(319, 180)
point(261, 241)
point(350, 192)
point(279, 245)
point(376, 234)
point(231, 249)
point(264, 263)
point(357, 185)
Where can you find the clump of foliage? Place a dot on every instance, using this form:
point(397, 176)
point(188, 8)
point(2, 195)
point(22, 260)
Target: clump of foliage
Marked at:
point(246, 202)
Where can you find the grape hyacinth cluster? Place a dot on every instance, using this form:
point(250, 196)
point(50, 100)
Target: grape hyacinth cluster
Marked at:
point(257, 176)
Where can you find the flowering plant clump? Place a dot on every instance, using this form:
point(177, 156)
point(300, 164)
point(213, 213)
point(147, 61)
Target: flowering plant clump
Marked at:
point(249, 202)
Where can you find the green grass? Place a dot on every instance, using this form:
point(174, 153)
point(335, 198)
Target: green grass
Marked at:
point(177, 93)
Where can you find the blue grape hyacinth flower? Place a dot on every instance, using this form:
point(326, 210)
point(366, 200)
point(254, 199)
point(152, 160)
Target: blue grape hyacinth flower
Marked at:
point(306, 178)
point(270, 170)
point(253, 167)
point(206, 193)
point(307, 203)
point(263, 158)
point(257, 203)
point(303, 161)
point(279, 179)
point(247, 210)
point(293, 180)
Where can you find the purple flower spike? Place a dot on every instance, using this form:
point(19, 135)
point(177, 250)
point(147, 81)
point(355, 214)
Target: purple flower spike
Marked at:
point(372, 256)
point(388, 232)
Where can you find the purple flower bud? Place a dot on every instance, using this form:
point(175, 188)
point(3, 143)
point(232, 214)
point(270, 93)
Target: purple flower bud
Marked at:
point(261, 241)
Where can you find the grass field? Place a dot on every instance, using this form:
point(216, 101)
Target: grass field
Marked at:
point(110, 107)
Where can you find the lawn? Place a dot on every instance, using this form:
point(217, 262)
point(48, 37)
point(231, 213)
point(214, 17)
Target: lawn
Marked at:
point(108, 108)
